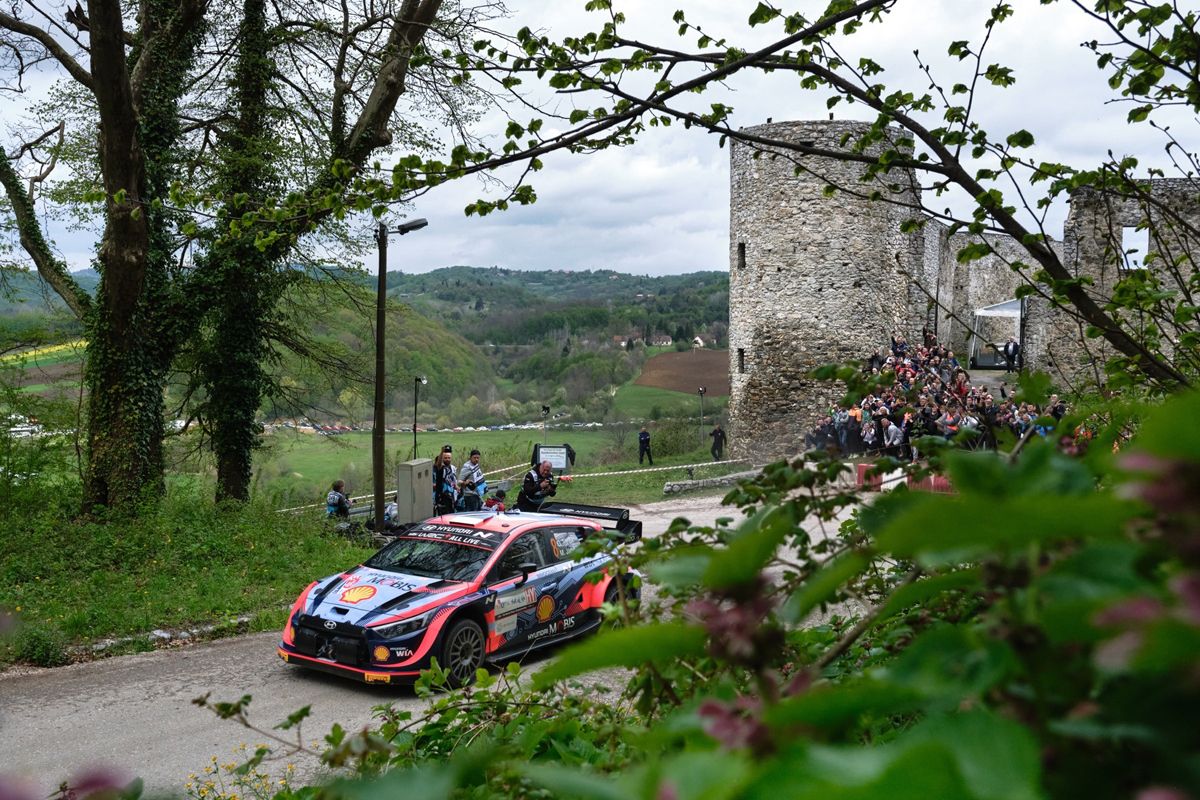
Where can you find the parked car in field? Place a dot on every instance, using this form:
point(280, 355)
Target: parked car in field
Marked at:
point(465, 588)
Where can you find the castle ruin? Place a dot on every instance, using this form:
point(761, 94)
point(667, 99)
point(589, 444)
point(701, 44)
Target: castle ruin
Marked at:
point(817, 278)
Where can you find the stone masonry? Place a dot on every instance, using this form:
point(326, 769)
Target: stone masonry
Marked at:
point(817, 279)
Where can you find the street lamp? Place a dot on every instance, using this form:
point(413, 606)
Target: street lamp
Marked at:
point(418, 382)
point(701, 392)
point(377, 446)
point(545, 413)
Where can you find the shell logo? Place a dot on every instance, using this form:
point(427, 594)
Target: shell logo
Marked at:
point(381, 653)
point(356, 594)
point(545, 608)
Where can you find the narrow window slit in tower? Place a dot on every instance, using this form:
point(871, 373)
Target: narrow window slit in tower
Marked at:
point(741, 255)
point(741, 360)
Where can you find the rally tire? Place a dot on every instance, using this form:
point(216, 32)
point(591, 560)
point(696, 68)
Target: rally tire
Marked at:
point(462, 651)
point(612, 593)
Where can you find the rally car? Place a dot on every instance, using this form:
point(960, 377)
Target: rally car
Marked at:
point(465, 588)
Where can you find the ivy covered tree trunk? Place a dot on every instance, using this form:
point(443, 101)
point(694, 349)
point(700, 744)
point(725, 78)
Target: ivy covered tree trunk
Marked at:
point(134, 329)
point(125, 416)
point(234, 366)
point(249, 277)
point(233, 363)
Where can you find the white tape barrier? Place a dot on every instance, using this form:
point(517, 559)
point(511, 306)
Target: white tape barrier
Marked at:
point(572, 477)
point(655, 469)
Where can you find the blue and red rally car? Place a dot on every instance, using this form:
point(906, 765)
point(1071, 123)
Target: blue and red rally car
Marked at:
point(464, 588)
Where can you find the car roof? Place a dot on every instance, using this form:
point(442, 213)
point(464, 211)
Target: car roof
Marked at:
point(510, 522)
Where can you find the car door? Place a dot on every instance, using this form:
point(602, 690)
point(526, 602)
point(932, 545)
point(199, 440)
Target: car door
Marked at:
point(516, 605)
point(571, 585)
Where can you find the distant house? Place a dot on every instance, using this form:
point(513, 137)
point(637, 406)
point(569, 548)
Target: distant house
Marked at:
point(661, 341)
point(697, 342)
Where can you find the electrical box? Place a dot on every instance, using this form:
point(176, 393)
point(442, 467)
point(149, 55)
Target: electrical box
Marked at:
point(414, 490)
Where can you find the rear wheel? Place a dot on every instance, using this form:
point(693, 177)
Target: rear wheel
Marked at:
point(462, 651)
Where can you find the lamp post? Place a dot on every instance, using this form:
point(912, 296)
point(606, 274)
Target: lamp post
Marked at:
point(545, 413)
point(377, 445)
point(701, 392)
point(418, 382)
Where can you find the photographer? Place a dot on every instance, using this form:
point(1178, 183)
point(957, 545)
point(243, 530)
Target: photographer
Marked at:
point(537, 488)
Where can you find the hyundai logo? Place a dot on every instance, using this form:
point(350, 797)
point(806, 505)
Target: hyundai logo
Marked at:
point(330, 624)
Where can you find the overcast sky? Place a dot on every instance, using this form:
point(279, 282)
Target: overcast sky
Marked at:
point(661, 206)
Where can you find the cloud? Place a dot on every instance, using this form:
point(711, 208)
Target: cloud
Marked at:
point(661, 205)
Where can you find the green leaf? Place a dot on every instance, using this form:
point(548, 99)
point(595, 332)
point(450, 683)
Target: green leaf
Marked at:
point(1139, 113)
point(628, 647)
point(683, 567)
point(566, 782)
point(757, 541)
point(1021, 138)
point(1170, 431)
point(1077, 587)
point(294, 719)
point(938, 530)
point(1035, 387)
point(830, 706)
point(953, 663)
point(975, 756)
point(922, 590)
point(823, 585)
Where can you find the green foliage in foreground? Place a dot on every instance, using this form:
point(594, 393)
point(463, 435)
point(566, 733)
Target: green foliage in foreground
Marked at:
point(1036, 634)
point(182, 564)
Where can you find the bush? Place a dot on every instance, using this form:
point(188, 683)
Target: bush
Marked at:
point(41, 645)
point(675, 437)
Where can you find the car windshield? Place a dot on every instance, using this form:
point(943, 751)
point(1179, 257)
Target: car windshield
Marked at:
point(431, 559)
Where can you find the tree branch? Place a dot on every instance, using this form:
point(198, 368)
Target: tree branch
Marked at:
point(53, 271)
point(51, 45)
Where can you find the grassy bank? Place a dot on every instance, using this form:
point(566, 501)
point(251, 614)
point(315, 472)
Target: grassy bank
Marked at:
point(183, 564)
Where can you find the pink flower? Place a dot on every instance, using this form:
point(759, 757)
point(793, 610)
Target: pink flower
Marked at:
point(1163, 793)
point(735, 726)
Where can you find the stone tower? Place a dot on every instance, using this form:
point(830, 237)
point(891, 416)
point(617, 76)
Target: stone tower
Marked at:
point(813, 279)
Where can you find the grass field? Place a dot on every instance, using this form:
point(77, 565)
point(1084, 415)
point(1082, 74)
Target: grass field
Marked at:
point(296, 469)
point(47, 356)
point(638, 402)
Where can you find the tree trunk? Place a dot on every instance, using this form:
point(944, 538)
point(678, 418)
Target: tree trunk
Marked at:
point(125, 414)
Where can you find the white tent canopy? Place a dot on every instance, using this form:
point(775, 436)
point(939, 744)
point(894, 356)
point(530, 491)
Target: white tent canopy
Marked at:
point(1009, 308)
point(986, 354)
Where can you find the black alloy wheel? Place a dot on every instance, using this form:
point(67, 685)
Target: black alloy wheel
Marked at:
point(462, 653)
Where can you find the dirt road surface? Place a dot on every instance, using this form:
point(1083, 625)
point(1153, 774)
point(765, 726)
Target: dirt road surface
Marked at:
point(134, 715)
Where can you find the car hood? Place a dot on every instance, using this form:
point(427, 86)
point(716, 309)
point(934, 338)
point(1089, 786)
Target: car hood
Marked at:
point(364, 595)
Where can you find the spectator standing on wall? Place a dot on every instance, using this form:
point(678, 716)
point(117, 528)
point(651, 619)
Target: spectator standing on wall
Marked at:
point(718, 445)
point(644, 446)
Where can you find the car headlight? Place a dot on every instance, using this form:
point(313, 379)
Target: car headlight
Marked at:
point(403, 628)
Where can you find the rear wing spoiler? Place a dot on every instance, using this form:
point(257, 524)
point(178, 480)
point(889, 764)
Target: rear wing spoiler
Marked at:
point(613, 519)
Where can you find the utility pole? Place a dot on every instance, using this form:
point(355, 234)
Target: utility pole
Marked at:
point(377, 427)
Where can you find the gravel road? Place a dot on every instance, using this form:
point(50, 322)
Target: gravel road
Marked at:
point(134, 715)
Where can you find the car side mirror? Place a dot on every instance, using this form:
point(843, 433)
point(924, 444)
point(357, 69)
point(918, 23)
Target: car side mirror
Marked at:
point(526, 568)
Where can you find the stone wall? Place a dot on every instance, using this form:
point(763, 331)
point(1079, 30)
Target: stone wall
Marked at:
point(813, 280)
point(817, 279)
point(1093, 247)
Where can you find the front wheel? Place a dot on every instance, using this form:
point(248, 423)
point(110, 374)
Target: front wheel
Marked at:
point(462, 651)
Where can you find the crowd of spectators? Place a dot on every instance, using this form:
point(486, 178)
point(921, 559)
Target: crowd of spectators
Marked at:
point(931, 395)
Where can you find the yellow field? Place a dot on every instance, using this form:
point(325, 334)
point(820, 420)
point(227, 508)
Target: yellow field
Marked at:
point(48, 350)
